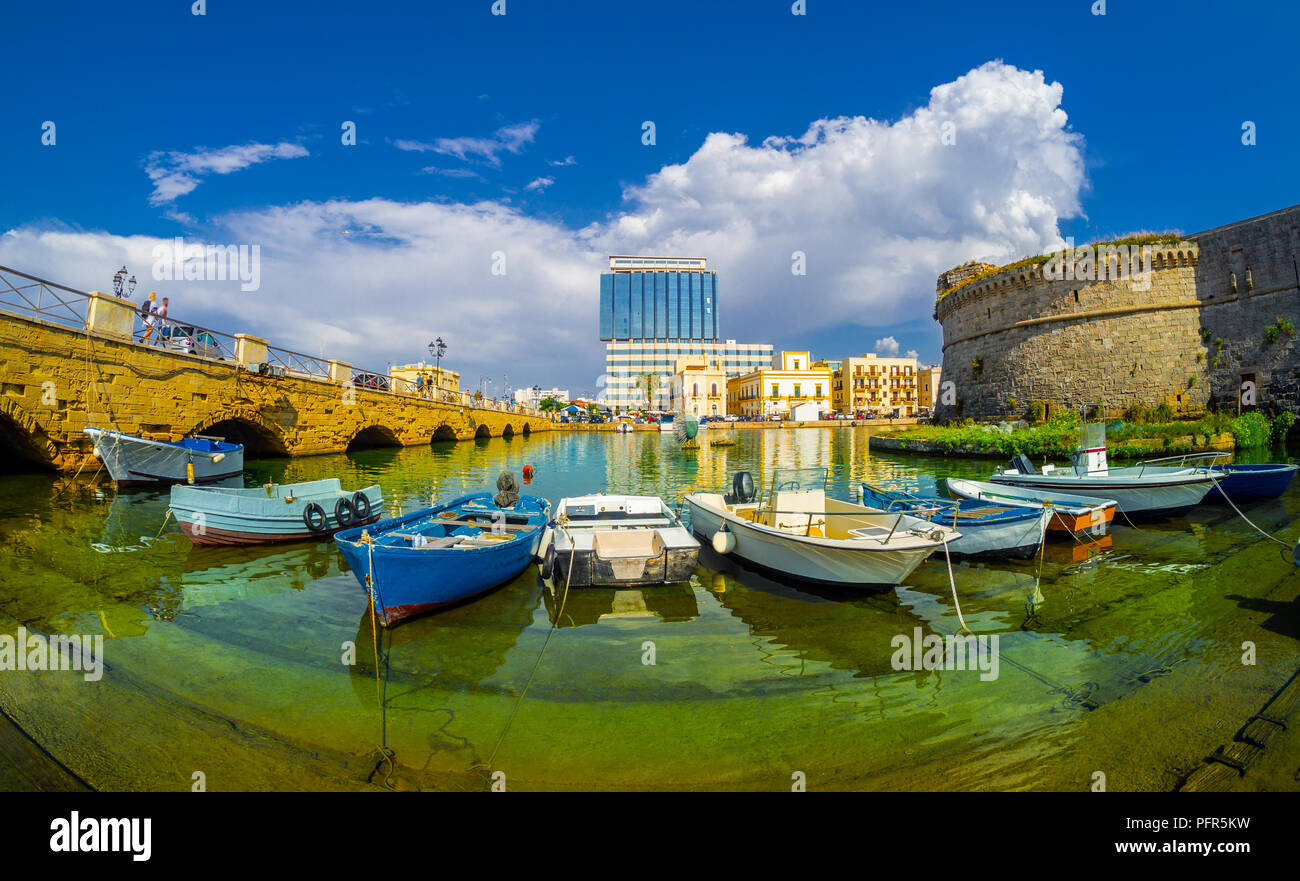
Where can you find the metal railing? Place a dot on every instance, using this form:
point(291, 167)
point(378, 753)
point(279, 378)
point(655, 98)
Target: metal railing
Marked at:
point(30, 295)
point(1196, 461)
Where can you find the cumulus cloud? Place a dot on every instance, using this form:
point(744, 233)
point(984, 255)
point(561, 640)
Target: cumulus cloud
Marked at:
point(508, 139)
point(176, 174)
point(540, 183)
point(567, 160)
point(878, 208)
point(886, 348)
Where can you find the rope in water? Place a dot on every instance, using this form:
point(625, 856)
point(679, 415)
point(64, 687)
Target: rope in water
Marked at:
point(1243, 516)
point(953, 583)
point(386, 755)
point(573, 553)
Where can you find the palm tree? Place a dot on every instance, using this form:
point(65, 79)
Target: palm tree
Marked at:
point(646, 383)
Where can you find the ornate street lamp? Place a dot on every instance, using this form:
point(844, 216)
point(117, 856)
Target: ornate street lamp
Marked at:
point(437, 349)
point(119, 280)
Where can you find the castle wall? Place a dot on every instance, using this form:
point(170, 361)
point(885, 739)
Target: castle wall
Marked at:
point(1120, 341)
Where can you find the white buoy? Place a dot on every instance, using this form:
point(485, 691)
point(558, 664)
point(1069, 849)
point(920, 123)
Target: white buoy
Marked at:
point(545, 543)
point(724, 540)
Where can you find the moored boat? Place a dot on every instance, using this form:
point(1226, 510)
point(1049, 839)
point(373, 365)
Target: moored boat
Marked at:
point(218, 515)
point(799, 533)
point(1244, 483)
point(1147, 489)
point(1077, 515)
point(617, 540)
point(1003, 529)
point(138, 460)
point(443, 555)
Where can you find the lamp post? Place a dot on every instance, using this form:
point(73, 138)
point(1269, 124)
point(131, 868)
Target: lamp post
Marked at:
point(437, 349)
point(120, 279)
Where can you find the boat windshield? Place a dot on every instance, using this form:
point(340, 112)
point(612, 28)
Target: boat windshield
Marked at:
point(798, 479)
point(1092, 436)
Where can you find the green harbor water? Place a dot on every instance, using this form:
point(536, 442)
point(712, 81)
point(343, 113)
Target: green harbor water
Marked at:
point(1123, 658)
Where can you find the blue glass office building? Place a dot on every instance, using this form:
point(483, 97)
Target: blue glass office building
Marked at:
point(658, 298)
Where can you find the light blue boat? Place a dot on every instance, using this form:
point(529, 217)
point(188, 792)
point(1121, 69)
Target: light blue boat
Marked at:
point(445, 554)
point(998, 530)
point(316, 509)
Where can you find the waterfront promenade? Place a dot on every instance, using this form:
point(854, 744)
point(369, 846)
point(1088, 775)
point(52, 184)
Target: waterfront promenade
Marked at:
point(70, 360)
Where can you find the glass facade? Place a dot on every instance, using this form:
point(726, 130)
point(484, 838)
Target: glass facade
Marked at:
point(649, 304)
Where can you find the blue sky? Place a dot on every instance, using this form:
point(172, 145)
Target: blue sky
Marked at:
point(459, 111)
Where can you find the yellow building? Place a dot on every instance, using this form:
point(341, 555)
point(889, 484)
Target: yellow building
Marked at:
point(869, 385)
point(794, 388)
point(698, 386)
point(440, 377)
point(927, 390)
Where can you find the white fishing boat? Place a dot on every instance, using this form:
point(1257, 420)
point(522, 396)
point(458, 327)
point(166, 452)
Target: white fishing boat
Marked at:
point(1077, 515)
point(615, 540)
point(1145, 489)
point(799, 533)
point(198, 459)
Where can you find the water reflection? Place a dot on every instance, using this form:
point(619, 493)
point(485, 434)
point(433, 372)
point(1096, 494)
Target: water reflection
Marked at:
point(670, 603)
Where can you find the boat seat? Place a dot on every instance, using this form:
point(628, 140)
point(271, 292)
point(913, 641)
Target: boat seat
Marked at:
point(713, 500)
point(799, 512)
point(978, 513)
point(627, 543)
point(425, 542)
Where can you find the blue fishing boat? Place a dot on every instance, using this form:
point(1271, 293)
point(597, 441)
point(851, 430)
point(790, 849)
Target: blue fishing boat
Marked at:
point(444, 554)
point(988, 529)
point(315, 509)
point(1244, 483)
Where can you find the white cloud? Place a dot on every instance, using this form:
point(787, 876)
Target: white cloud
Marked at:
point(508, 139)
point(886, 348)
point(878, 207)
point(567, 160)
point(176, 174)
point(540, 183)
point(451, 172)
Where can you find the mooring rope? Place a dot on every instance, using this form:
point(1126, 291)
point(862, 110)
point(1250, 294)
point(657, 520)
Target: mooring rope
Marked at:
point(1243, 516)
point(386, 755)
point(573, 553)
point(953, 583)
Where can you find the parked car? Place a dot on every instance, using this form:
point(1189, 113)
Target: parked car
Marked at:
point(376, 381)
point(187, 338)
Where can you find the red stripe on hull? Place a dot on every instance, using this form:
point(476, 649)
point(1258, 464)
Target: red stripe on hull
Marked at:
point(230, 537)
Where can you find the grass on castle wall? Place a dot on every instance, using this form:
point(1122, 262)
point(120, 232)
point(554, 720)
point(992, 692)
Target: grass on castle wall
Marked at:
point(1059, 436)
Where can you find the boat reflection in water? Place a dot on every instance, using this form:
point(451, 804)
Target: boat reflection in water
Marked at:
point(591, 605)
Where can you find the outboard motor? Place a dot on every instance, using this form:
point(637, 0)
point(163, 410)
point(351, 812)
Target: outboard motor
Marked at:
point(1022, 464)
point(742, 488)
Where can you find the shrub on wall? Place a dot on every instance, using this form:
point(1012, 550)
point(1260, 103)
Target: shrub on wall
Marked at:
point(1037, 410)
point(977, 365)
point(1251, 429)
point(1282, 425)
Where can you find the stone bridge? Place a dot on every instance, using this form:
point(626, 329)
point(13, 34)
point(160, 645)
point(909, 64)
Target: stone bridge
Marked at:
point(57, 378)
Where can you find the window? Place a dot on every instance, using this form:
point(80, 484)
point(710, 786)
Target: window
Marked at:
point(796, 390)
point(819, 390)
point(775, 391)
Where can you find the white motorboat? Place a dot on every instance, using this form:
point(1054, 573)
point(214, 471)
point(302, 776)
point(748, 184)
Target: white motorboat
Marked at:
point(616, 540)
point(132, 460)
point(798, 532)
point(1003, 529)
point(1146, 489)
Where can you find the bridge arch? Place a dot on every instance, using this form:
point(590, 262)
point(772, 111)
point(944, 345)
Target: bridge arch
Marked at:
point(482, 431)
point(508, 431)
point(443, 432)
point(24, 441)
point(376, 434)
point(527, 429)
point(261, 437)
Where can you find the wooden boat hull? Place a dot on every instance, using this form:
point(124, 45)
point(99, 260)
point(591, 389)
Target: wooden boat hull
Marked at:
point(408, 580)
point(1073, 514)
point(132, 460)
point(226, 516)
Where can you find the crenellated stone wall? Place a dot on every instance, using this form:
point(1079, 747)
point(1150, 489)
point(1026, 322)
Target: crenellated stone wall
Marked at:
point(1028, 334)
